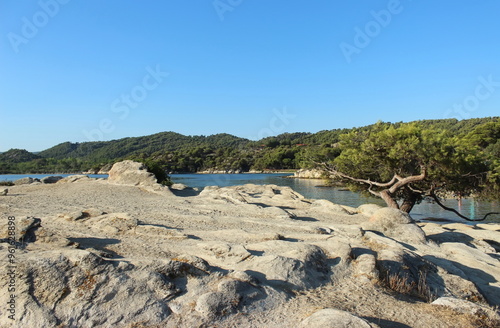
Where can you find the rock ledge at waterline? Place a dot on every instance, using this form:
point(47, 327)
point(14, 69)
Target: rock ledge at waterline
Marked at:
point(131, 253)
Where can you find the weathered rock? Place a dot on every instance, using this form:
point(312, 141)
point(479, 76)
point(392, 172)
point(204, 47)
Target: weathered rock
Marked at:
point(26, 180)
point(348, 231)
point(113, 223)
point(216, 304)
point(73, 216)
point(278, 213)
point(332, 318)
point(336, 247)
point(409, 273)
point(457, 226)
point(74, 178)
point(310, 174)
point(240, 293)
point(93, 212)
point(226, 253)
point(396, 224)
point(489, 226)
point(131, 173)
point(455, 286)
point(389, 217)
point(243, 276)
point(159, 231)
point(55, 239)
point(129, 271)
point(476, 266)
point(193, 260)
point(4, 192)
point(365, 268)
point(178, 186)
point(24, 229)
point(462, 306)
point(51, 179)
point(287, 265)
point(368, 209)
point(329, 207)
point(77, 287)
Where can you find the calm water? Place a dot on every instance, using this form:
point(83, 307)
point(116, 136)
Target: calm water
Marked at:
point(310, 189)
point(13, 177)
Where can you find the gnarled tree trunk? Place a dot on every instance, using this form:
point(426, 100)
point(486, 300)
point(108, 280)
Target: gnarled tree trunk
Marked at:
point(391, 188)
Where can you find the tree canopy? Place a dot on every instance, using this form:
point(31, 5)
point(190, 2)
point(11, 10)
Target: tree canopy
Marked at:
point(405, 163)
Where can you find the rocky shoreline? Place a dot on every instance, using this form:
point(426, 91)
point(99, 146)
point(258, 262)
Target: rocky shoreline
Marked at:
point(127, 252)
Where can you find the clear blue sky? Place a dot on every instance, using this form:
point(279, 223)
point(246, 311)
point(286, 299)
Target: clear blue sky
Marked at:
point(81, 70)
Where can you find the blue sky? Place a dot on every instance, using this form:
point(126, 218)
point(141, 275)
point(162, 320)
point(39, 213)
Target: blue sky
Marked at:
point(78, 71)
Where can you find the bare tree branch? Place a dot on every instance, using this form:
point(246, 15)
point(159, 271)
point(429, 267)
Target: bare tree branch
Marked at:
point(334, 171)
point(408, 180)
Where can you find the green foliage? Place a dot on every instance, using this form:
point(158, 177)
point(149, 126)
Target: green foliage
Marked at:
point(453, 163)
point(17, 156)
point(461, 156)
point(158, 169)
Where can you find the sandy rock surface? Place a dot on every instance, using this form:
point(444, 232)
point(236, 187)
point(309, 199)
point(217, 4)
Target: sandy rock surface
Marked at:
point(101, 254)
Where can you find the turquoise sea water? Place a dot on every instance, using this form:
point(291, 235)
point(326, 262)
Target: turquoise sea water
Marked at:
point(312, 189)
point(13, 177)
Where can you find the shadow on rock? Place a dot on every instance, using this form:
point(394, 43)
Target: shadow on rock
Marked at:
point(98, 244)
point(483, 281)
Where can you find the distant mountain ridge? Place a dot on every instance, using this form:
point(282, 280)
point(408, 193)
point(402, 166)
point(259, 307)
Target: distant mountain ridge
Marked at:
point(105, 151)
point(163, 141)
point(17, 156)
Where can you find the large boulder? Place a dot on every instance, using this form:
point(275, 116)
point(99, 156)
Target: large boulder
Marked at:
point(395, 224)
point(131, 173)
point(51, 179)
point(81, 289)
point(26, 180)
point(464, 306)
point(288, 265)
point(310, 174)
point(74, 178)
point(368, 209)
point(332, 318)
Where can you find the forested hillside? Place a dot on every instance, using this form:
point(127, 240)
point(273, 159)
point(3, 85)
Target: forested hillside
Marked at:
point(174, 152)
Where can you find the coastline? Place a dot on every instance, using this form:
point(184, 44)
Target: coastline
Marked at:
point(204, 259)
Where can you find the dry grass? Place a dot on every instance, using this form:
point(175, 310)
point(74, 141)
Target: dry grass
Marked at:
point(485, 319)
point(401, 283)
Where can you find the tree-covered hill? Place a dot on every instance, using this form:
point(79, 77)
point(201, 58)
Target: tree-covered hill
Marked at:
point(17, 156)
point(179, 153)
point(159, 142)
